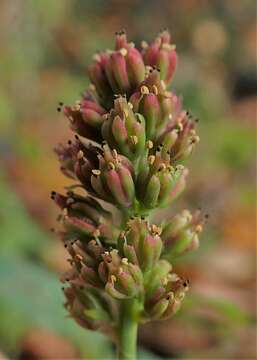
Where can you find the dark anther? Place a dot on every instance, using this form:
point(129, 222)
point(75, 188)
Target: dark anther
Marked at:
point(59, 109)
point(60, 103)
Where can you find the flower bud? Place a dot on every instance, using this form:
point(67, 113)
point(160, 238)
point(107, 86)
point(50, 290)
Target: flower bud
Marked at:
point(152, 192)
point(179, 137)
point(90, 308)
point(125, 279)
point(154, 103)
point(117, 72)
point(141, 243)
point(177, 290)
point(157, 277)
point(124, 130)
point(98, 77)
point(165, 298)
point(158, 183)
point(162, 54)
point(78, 160)
point(86, 122)
point(113, 181)
point(92, 112)
point(180, 234)
point(134, 61)
point(81, 207)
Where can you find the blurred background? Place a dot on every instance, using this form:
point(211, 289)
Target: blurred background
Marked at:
point(45, 48)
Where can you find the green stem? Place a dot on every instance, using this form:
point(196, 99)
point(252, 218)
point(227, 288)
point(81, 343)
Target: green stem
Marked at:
point(127, 347)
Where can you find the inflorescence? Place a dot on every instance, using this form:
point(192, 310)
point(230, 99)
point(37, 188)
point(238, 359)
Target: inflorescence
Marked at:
point(131, 137)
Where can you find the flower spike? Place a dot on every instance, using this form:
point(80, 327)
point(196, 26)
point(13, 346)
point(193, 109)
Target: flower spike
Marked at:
point(131, 135)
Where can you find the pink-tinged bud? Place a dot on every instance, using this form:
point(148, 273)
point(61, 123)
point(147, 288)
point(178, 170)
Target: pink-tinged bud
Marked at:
point(92, 113)
point(81, 126)
point(118, 64)
point(82, 159)
point(167, 62)
point(70, 157)
point(134, 61)
point(113, 180)
point(117, 72)
point(127, 182)
point(78, 226)
point(98, 187)
point(161, 54)
point(125, 280)
point(130, 253)
point(90, 307)
point(120, 40)
point(114, 184)
point(151, 251)
point(165, 293)
point(145, 242)
point(179, 136)
point(180, 234)
point(154, 103)
point(119, 132)
point(98, 76)
point(150, 108)
point(82, 207)
point(124, 130)
point(135, 67)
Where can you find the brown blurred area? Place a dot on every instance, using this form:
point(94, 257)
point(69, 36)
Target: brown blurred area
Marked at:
point(45, 49)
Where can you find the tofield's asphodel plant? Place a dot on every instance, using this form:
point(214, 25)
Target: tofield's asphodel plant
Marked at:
point(131, 136)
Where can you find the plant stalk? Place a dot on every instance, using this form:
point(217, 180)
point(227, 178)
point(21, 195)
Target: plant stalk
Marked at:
point(127, 347)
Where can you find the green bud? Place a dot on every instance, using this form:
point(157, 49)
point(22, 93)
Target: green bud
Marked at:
point(180, 234)
point(152, 192)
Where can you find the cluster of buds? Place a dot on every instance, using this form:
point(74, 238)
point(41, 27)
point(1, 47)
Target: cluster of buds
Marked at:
point(131, 135)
